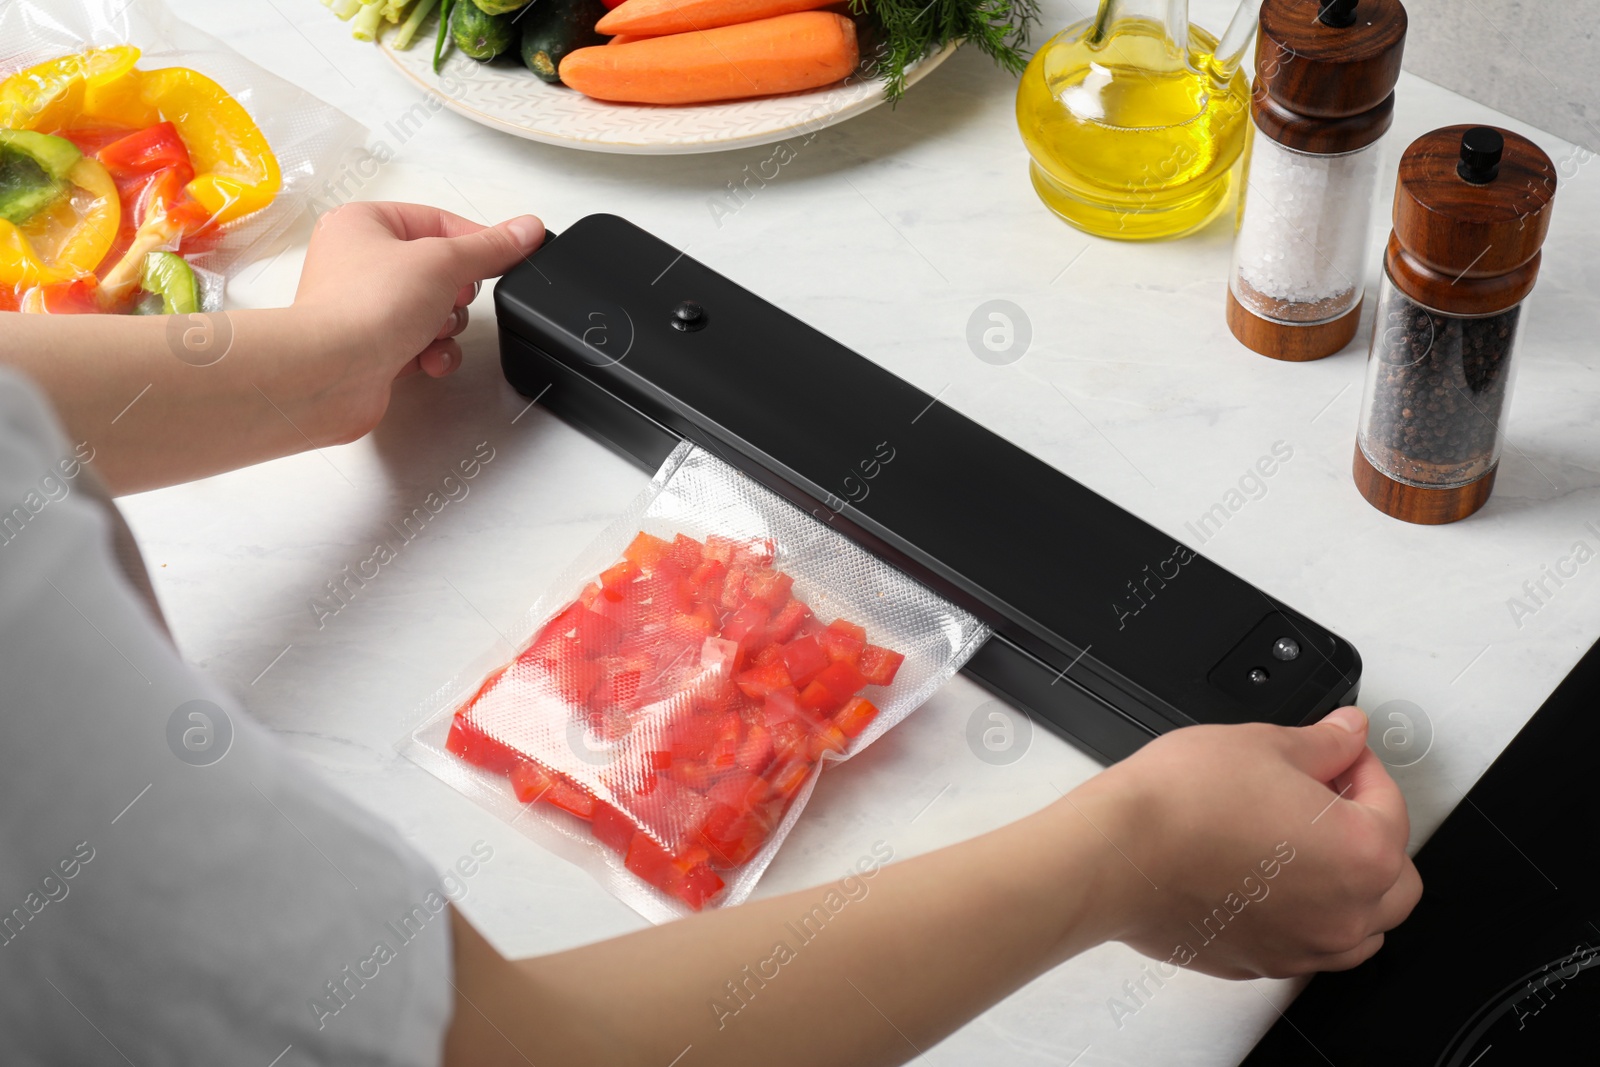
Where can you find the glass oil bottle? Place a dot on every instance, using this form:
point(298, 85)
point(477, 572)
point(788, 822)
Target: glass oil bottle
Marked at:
point(1135, 118)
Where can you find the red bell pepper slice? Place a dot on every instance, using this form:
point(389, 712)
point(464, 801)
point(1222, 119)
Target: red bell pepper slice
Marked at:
point(152, 149)
point(76, 297)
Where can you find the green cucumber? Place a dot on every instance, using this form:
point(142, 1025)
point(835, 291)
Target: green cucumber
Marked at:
point(33, 172)
point(56, 156)
point(480, 35)
point(553, 28)
point(168, 276)
point(500, 7)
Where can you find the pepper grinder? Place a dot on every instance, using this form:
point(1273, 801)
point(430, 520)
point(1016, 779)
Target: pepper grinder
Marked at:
point(1323, 99)
point(1471, 210)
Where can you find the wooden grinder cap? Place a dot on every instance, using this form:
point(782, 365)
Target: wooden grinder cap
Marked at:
point(1326, 71)
point(1471, 212)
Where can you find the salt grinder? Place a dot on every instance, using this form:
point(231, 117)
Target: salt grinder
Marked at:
point(1471, 210)
point(1323, 99)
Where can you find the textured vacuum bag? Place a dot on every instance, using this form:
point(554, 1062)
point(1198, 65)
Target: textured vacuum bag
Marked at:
point(675, 694)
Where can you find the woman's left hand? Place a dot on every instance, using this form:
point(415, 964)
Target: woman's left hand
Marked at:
point(390, 283)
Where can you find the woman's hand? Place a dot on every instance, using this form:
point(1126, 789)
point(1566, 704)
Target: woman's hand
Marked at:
point(1254, 850)
point(388, 284)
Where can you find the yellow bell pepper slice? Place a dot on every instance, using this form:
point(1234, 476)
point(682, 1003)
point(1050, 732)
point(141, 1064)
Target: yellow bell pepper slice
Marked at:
point(50, 95)
point(68, 240)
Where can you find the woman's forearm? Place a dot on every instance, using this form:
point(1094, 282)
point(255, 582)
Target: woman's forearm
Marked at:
point(1299, 825)
point(167, 399)
point(162, 399)
point(869, 969)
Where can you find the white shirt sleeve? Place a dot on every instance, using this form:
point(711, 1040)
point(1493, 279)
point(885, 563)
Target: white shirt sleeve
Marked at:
point(175, 888)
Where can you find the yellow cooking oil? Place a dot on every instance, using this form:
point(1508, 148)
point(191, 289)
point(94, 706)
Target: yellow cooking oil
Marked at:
point(1133, 136)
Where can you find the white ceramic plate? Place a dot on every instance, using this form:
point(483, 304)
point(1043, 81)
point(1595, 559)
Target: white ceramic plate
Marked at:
point(505, 96)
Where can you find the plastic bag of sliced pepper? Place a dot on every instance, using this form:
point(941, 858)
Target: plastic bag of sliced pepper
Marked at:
point(667, 706)
point(140, 160)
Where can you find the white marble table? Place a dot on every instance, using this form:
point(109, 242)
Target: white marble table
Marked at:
point(886, 232)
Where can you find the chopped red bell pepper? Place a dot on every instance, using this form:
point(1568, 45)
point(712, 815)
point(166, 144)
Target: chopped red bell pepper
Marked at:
point(647, 550)
point(575, 680)
point(707, 580)
point(805, 659)
point(768, 654)
point(615, 579)
point(686, 877)
point(687, 553)
point(768, 588)
point(470, 743)
point(843, 640)
point(786, 623)
point(612, 828)
point(855, 715)
point(836, 683)
point(755, 751)
point(743, 692)
point(531, 783)
point(787, 778)
point(878, 665)
point(757, 682)
point(830, 738)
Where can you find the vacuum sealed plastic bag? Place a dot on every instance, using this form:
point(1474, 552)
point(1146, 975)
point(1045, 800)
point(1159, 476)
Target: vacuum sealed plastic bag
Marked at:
point(141, 160)
point(673, 698)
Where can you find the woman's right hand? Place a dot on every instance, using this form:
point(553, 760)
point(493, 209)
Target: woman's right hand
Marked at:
point(1253, 850)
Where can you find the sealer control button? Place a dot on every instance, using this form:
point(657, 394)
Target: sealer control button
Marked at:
point(688, 317)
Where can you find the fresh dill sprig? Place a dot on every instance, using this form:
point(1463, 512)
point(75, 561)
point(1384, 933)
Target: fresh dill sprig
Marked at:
point(910, 29)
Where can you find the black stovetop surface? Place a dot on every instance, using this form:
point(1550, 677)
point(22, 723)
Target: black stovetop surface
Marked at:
point(1500, 962)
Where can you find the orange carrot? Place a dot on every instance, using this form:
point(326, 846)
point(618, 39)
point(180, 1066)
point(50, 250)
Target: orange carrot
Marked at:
point(629, 38)
point(680, 16)
point(802, 50)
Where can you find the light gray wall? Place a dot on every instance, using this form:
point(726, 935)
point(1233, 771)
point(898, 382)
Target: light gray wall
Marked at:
point(1536, 60)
